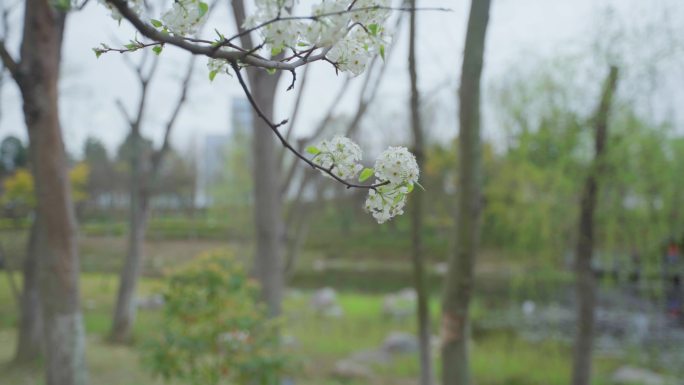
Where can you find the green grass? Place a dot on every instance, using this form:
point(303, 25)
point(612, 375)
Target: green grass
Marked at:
point(497, 358)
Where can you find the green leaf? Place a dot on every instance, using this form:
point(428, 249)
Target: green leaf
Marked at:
point(271, 71)
point(132, 46)
point(204, 8)
point(276, 50)
point(382, 52)
point(365, 174)
point(313, 150)
point(98, 52)
point(398, 198)
point(212, 75)
point(373, 29)
point(156, 23)
point(410, 187)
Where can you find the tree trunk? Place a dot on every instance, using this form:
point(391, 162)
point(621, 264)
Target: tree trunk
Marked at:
point(423, 307)
point(38, 76)
point(30, 340)
point(585, 278)
point(268, 217)
point(125, 310)
point(459, 279)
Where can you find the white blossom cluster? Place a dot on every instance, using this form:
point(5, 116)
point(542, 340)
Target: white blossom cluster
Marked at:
point(352, 31)
point(398, 169)
point(396, 172)
point(218, 66)
point(341, 156)
point(397, 166)
point(185, 16)
point(354, 35)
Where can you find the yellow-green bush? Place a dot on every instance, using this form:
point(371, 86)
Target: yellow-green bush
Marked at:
point(215, 330)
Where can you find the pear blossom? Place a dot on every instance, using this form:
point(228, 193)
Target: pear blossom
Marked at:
point(281, 34)
point(386, 202)
point(398, 166)
point(185, 16)
point(325, 31)
point(340, 155)
point(217, 66)
point(367, 15)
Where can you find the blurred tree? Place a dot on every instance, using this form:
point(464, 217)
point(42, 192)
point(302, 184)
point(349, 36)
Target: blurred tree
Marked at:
point(417, 213)
point(144, 165)
point(586, 279)
point(13, 155)
point(459, 280)
point(268, 217)
point(37, 75)
point(19, 195)
point(101, 179)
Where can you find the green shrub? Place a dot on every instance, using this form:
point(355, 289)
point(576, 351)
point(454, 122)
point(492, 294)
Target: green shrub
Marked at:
point(215, 331)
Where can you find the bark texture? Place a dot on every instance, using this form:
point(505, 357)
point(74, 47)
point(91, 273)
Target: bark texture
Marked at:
point(30, 339)
point(268, 265)
point(58, 268)
point(585, 279)
point(459, 281)
point(417, 212)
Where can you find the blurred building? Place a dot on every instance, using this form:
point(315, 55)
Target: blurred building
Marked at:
point(217, 150)
point(241, 112)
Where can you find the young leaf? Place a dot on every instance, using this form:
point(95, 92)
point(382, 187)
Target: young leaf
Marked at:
point(398, 198)
point(156, 23)
point(410, 187)
point(157, 49)
point(271, 71)
point(382, 52)
point(313, 150)
point(212, 75)
point(204, 8)
point(373, 29)
point(98, 52)
point(365, 174)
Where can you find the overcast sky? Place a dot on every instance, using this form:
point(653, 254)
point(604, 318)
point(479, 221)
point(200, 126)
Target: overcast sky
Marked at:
point(521, 32)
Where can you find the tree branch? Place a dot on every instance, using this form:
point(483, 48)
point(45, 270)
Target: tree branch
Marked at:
point(122, 109)
point(208, 50)
point(212, 50)
point(159, 155)
point(5, 57)
point(7, 60)
point(287, 181)
point(274, 127)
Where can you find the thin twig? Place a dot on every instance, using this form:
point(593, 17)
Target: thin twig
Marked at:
point(274, 128)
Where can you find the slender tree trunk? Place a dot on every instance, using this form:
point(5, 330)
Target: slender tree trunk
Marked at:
point(417, 212)
point(125, 310)
point(585, 278)
point(459, 280)
point(30, 341)
point(37, 76)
